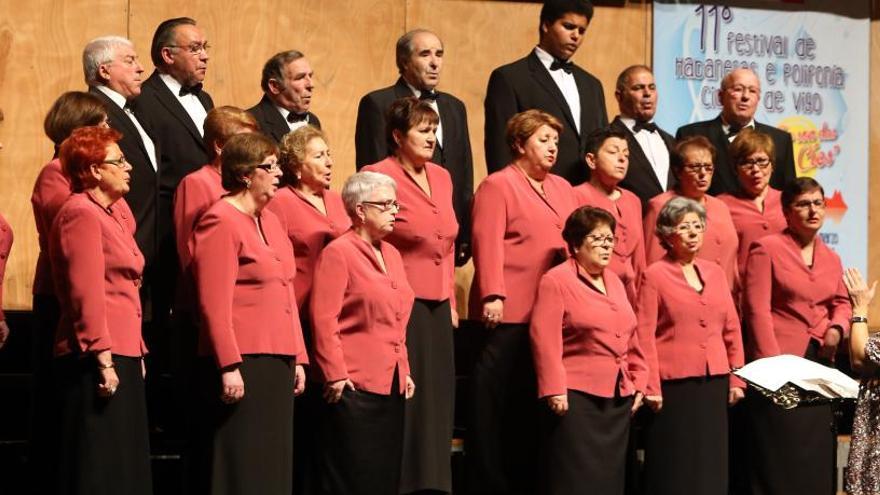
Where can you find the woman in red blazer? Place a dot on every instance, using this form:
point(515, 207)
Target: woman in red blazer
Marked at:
point(517, 221)
point(243, 266)
point(70, 111)
point(756, 208)
point(590, 368)
point(608, 160)
point(692, 163)
point(97, 269)
point(794, 302)
point(424, 232)
point(690, 333)
point(361, 302)
point(312, 215)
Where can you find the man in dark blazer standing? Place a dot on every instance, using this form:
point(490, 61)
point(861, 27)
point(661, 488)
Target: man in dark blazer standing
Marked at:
point(740, 94)
point(419, 56)
point(113, 73)
point(547, 80)
point(287, 95)
point(649, 173)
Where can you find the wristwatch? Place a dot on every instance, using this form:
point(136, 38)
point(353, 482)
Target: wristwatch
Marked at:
point(859, 319)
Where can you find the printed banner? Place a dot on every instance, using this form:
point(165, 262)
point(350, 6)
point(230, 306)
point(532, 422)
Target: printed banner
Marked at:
point(814, 76)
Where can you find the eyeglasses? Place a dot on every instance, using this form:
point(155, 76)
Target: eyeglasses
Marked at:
point(600, 240)
point(384, 205)
point(696, 168)
point(761, 163)
point(686, 228)
point(818, 204)
point(269, 167)
point(120, 162)
point(194, 48)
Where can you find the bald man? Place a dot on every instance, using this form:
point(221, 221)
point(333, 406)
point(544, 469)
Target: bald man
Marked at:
point(740, 94)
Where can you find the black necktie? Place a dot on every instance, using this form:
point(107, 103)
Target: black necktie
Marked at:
point(195, 89)
point(648, 126)
point(561, 64)
point(297, 117)
point(733, 130)
point(429, 95)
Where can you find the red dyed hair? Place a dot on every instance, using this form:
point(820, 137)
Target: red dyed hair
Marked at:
point(85, 147)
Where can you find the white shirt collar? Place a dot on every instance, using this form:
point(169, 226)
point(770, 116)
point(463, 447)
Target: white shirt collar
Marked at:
point(113, 95)
point(544, 57)
point(726, 127)
point(172, 84)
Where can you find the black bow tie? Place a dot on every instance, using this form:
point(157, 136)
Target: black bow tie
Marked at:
point(297, 117)
point(648, 126)
point(734, 129)
point(195, 89)
point(429, 95)
point(565, 65)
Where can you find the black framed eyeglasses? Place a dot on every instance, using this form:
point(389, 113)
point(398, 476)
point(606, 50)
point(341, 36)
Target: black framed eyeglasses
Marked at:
point(269, 167)
point(119, 162)
point(384, 205)
point(193, 48)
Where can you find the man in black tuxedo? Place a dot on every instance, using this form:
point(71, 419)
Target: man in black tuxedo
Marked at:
point(649, 173)
point(420, 61)
point(113, 73)
point(287, 95)
point(547, 80)
point(740, 94)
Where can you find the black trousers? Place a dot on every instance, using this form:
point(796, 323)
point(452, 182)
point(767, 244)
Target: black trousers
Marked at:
point(502, 437)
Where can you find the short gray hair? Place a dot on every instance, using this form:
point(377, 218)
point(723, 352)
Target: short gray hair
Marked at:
point(671, 214)
point(360, 186)
point(100, 51)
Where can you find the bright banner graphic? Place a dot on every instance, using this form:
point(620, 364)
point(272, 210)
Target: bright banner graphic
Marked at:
point(814, 76)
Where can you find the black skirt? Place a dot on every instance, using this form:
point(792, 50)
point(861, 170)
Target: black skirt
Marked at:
point(501, 446)
point(44, 407)
point(686, 442)
point(362, 437)
point(309, 406)
point(103, 447)
point(428, 416)
point(585, 448)
point(247, 447)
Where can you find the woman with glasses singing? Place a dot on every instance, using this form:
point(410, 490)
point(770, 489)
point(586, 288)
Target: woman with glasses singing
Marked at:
point(250, 336)
point(518, 216)
point(692, 161)
point(755, 207)
point(690, 333)
point(590, 368)
point(794, 302)
point(424, 233)
point(608, 160)
point(361, 302)
point(99, 369)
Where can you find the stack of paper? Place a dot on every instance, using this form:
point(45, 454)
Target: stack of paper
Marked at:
point(774, 372)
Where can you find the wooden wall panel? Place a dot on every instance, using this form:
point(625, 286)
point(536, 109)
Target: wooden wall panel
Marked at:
point(873, 233)
point(40, 48)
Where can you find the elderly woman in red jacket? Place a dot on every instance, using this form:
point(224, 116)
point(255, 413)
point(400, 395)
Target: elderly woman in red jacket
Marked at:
point(690, 332)
point(794, 302)
point(250, 335)
point(608, 160)
point(518, 216)
point(590, 368)
point(97, 270)
point(424, 233)
point(361, 302)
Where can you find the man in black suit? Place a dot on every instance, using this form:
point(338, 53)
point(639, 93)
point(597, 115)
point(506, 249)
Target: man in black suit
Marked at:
point(649, 173)
point(287, 95)
point(113, 73)
point(740, 94)
point(547, 80)
point(420, 61)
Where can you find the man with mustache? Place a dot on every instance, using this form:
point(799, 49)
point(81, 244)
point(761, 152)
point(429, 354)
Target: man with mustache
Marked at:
point(740, 94)
point(287, 95)
point(649, 173)
point(420, 61)
point(546, 79)
point(113, 73)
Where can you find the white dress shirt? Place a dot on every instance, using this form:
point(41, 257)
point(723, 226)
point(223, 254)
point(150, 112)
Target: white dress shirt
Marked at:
point(726, 128)
point(293, 125)
point(566, 84)
point(120, 100)
point(654, 148)
point(433, 103)
point(190, 103)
